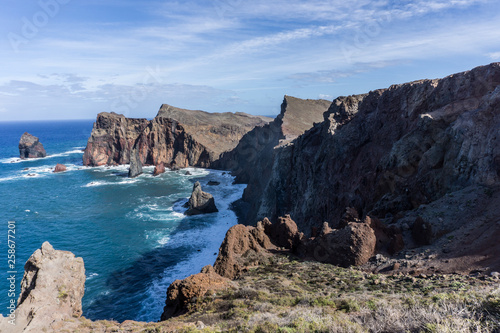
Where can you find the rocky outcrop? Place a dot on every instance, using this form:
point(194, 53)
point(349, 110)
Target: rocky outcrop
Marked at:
point(182, 292)
point(388, 151)
point(51, 292)
point(243, 246)
point(200, 202)
point(159, 169)
point(174, 136)
point(165, 140)
point(353, 245)
point(217, 132)
point(30, 147)
point(112, 139)
point(135, 164)
point(60, 168)
point(252, 160)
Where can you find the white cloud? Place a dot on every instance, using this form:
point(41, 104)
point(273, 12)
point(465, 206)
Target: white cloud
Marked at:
point(495, 56)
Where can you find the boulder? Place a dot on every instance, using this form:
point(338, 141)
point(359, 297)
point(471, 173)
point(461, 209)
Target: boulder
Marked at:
point(159, 169)
point(284, 232)
point(60, 168)
point(352, 245)
point(182, 292)
point(422, 232)
point(242, 247)
point(51, 291)
point(213, 183)
point(200, 202)
point(30, 147)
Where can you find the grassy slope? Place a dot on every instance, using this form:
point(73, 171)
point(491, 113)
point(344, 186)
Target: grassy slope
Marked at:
point(286, 295)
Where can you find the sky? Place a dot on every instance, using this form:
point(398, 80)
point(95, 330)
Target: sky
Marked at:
point(71, 59)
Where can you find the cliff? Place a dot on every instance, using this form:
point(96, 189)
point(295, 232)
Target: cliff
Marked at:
point(389, 151)
point(113, 137)
point(252, 159)
point(174, 136)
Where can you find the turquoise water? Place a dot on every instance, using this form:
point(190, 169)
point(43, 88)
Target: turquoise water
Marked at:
point(131, 233)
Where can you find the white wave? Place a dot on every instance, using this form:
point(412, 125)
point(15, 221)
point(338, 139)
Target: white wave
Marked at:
point(105, 183)
point(92, 275)
point(206, 240)
point(19, 160)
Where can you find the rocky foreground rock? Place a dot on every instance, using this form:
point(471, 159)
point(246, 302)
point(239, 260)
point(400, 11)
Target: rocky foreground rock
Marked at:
point(31, 147)
point(51, 292)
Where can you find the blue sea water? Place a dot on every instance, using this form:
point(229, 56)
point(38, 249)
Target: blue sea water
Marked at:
point(131, 233)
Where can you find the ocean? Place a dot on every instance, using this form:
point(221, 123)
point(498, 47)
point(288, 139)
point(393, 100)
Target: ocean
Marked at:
point(131, 233)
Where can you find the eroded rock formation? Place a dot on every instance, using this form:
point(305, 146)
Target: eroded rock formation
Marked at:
point(60, 168)
point(252, 160)
point(51, 292)
point(388, 151)
point(30, 147)
point(174, 137)
point(182, 292)
point(200, 202)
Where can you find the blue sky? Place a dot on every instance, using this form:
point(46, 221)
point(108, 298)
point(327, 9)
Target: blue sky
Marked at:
point(71, 59)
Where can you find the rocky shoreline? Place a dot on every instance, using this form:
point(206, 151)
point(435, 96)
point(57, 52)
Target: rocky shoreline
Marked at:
point(402, 183)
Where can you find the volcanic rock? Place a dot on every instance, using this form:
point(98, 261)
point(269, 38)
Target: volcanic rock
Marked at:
point(387, 151)
point(200, 202)
point(251, 161)
point(51, 291)
point(284, 232)
point(112, 139)
point(352, 245)
point(135, 164)
point(213, 183)
point(186, 137)
point(30, 147)
point(182, 292)
point(243, 246)
point(159, 169)
point(60, 168)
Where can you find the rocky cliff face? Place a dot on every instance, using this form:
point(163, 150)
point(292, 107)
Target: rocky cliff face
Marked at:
point(252, 159)
point(389, 151)
point(175, 136)
point(51, 292)
point(112, 139)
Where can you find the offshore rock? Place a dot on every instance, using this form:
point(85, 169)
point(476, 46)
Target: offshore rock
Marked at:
point(112, 139)
point(159, 169)
point(182, 292)
point(200, 202)
point(135, 164)
point(387, 151)
point(30, 147)
point(251, 161)
point(60, 168)
point(51, 292)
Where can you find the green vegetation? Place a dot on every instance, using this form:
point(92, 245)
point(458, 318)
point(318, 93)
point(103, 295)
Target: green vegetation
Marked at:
point(285, 295)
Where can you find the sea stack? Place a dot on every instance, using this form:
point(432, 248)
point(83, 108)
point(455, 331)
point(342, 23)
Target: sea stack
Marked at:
point(200, 202)
point(30, 147)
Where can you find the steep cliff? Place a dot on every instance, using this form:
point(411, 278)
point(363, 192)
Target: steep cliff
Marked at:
point(390, 150)
point(252, 159)
point(174, 136)
point(112, 139)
